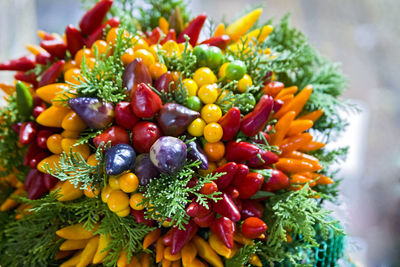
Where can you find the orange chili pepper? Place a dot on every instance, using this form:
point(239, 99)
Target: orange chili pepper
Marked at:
point(163, 24)
point(301, 179)
point(159, 250)
point(287, 91)
point(7, 89)
point(10, 203)
point(297, 103)
point(151, 237)
point(273, 88)
point(145, 260)
point(303, 156)
point(311, 146)
point(166, 263)
point(320, 178)
point(219, 30)
point(281, 127)
point(176, 264)
point(294, 142)
point(286, 100)
point(299, 126)
point(315, 115)
point(289, 165)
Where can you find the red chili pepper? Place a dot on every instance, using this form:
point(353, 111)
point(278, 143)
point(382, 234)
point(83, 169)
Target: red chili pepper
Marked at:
point(27, 133)
point(38, 158)
point(261, 140)
point(272, 88)
point(263, 159)
point(251, 208)
point(145, 102)
point(37, 111)
point(192, 30)
point(16, 127)
point(124, 116)
point(75, 40)
point(253, 227)
point(240, 151)
point(32, 174)
point(180, 237)
point(225, 229)
point(55, 47)
point(33, 150)
point(139, 217)
point(37, 188)
point(232, 192)
point(277, 105)
point(229, 169)
point(226, 207)
point(46, 36)
point(135, 73)
point(230, 123)
point(277, 181)
point(28, 78)
point(21, 64)
point(240, 175)
point(155, 36)
point(250, 185)
point(205, 221)
point(94, 16)
point(144, 134)
point(41, 138)
point(164, 82)
point(115, 134)
point(194, 209)
point(256, 120)
point(43, 58)
point(98, 33)
point(167, 238)
point(52, 73)
point(171, 35)
point(209, 188)
point(218, 41)
point(49, 181)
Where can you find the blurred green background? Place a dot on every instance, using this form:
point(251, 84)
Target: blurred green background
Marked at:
point(364, 35)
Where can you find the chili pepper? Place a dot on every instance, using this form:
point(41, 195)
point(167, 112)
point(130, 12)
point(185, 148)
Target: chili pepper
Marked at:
point(135, 73)
point(151, 237)
point(155, 36)
point(277, 181)
point(206, 252)
point(303, 156)
point(297, 103)
point(315, 115)
point(196, 153)
point(41, 138)
point(174, 119)
point(253, 227)
point(224, 228)
point(145, 169)
point(287, 91)
point(43, 58)
point(94, 16)
point(294, 142)
point(277, 105)
point(98, 33)
point(230, 123)
point(209, 188)
point(33, 149)
point(194, 209)
point(37, 158)
point(260, 139)
point(27, 77)
point(27, 133)
point(219, 246)
point(124, 116)
point(119, 158)
point(205, 221)
point(73, 244)
point(311, 146)
point(218, 41)
point(165, 83)
point(240, 151)
point(273, 88)
point(251, 208)
point(255, 260)
point(21, 64)
point(144, 134)
point(167, 238)
point(37, 188)
point(282, 127)
point(24, 100)
point(296, 179)
point(180, 237)
point(299, 126)
point(171, 36)
point(10, 203)
point(45, 35)
point(68, 191)
point(232, 192)
point(224, 180)
point(189, 253)
point(255, 121)
point(192, 30)
point(55, 47)
point(296, 165)
point(145, 102)
point(219, 30)
point(49, 181)
point(88, 252)
point(171, 257)
point(240, 175)
point(250, 185)
point(139, 217)
point(227, 208)
point(263, 159)
point(159, 250)
point(53, 116)
point(52, 73)
point(30, 177)
point(243, 24)
point(16, 127)
point(163, 24)
point(75, 40)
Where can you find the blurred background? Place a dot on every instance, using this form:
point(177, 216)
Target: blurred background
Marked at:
point(364, 35)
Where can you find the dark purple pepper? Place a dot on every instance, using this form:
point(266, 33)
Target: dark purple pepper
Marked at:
point(145, 169)
point(195, 152)
point(174, 119)
point(120, 158)
point(94, 112)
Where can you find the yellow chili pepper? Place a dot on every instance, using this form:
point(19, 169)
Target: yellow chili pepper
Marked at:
point(151, 237)
point(255, 260)
point(166, 263)
point(206, 252)
point(219, 30)
point(88, 252)
point(189, 253)
point(69, 144)
point(259, 34)
point(73, 261)
point(76, 232)
point(63, 254)
point(35, 49)
point(243, 24)
point(159, 250)
point(241, 239)
point(72, 122)
point(101, 253)
point(123, 261)
point(218, 246)
point(10, 203)
point(169, 256)
point(163, 24)
point(73, 244)
point(49, 92)
point(145, 260)
point(52, 161)
point(176, 264)
point(68, 191)
point(53, 116)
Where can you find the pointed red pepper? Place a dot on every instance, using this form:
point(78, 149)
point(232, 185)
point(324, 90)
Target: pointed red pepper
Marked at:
point(250, 185)
point(27, 133)
point(32, 174)
point(28, 78)
point(232, 192)
point(205, 221)
point(277, 105)
point(180, 237)
point(136, 72)
point(139, 217)
point(263, 160)
point(115, 134)
point(225, 229)
point(167, 238)
point(124, 116)
point(94, 16)
point(32, 151)
point(145, 102)
point(277, 181)
point(155, 36)
point(256, 120)
point(171, 36)
point(218, 41)
point(98, 33)
point(261, 140)
point(41, 138)
point(240, 151)
point(49, 181)
point(55, 47)
point(230, 123)
point(75, 40)
point(52, 73)
point(21, 64)
point(229, 169)
point(192, 30)
point(251, 208)
point(43, 58)
point(226, 207)
point(194, 209)
point(38, 158)
point(253, 227)
point(37, 187)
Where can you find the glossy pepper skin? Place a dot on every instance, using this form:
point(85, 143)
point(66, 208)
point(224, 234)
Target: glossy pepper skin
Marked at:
point(218, 41)
point(27, 133)
point(250, 185)
point(192, 30)
point(256, 120)
point(145, 102)
point(253, 227)
point(139, 217)
point(43, 58)
point(251, 208)
point(115, 134)
point(55, 47)
point(240, 151)
point(195, 152)
point(171, 36)
point(165, 83)
point(27, 77)
point(229, 169)
point(265, 159)
point(52, 73)
point(155, 36)
point(24, 100)
point(224, 228)
point(180, 237)
point(32, 151)
point(144, 134)
point(119, 158)
point(37, 187)
point(124, 116)
point(205, 221)
point(41, 138)
point(75, 40)
point(174, 118)
point(230, 123)
point(194, 209)
point(135, 73)
point(94, 16)
point(98, 33)
point(277, 181)
point(145, 169)
point(227, 208)
point(21, 64)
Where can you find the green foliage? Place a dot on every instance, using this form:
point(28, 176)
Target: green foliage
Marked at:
point(168, 194)
point(178, 95)
point(243, 255)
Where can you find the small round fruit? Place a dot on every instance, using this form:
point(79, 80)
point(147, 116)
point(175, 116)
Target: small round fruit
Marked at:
point(128, 182)
point(211, 113)
point(194, 103)
point(168, 154)
point(135, 201)
point(157, 69)
point(214, 151)
point(214, 57)
point(196, 128)
point(213, 132)
point(235, 70)
point(114, 183)
point(146, 56)
point(208, 93)
point(244, 83)
point(190, 86)
point(204, 76)
point(105, 193)
point(253, 227)
point(201, 53)
point(124, 212)
point(117, 201)
point(222, 70)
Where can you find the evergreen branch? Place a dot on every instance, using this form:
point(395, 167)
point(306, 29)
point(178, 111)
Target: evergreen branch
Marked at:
point(243, 255)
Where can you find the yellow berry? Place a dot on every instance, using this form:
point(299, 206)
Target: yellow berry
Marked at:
point(190, 86)
point(123, 213)
point(118, 201)
point(244, 83)
point(101, 47)
point(204, 76)
point(213, 132)
point(211, 113)
point(114, 183)
point(92, 161)
point(127, 57)
point(113, 34)
point(171, 48)
point(139, 43)
point(196, 128)
point(105, 193)
point(128, 182)
point(54, 143)
point(222, 70)
point(146, 56)
point(73, 76)
point(135, 201)
point(90, 193)
point(84, 52)
point(208, 94)
point(211, 167)
point(157, 69)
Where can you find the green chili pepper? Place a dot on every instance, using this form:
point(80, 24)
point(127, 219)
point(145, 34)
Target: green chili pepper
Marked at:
point(24, 100)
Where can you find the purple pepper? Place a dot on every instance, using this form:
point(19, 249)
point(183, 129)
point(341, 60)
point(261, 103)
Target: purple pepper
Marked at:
point(168, 154)
point(94, 112)
point(120, 158)
point(145, 169)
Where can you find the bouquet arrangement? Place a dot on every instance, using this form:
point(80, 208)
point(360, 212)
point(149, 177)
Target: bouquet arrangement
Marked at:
point(154, 140)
